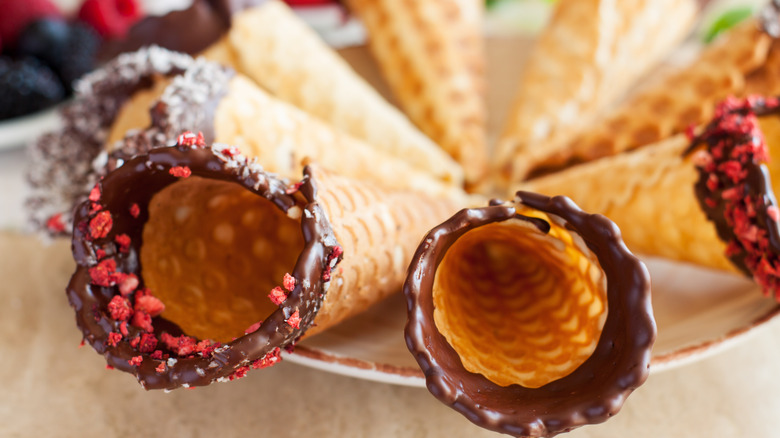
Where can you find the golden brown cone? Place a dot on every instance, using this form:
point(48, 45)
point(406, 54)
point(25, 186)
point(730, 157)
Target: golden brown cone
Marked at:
point(379, 231)
point(743, 61)
point(278, 51)
point(281, 136)
point(586, 58)
point(431, 53)
point(649, 194)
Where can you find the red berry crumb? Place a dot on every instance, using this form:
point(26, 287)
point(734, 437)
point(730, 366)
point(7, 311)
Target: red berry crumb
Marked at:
point(135, 210)
point(100, 225)
point(294, 320)
point(119, 308)
point(149, 304)
point(180, 171)
point(289, 282)
point(114, 338)
point(123, 240)
point(136, 360)
point(55, 224)
point(102, 274)
point(277, 295)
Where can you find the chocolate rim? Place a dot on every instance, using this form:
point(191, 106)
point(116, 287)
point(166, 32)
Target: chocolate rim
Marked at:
point(63, 168)
point(595, 390)
point(221, 362)
point(734, 188)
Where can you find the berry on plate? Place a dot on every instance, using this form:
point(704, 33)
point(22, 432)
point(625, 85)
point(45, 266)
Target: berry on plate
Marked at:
point(110, 18)
point(26, 86)
point(17, 14)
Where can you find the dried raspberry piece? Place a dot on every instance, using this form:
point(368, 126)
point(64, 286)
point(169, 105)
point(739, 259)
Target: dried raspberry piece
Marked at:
point(187, 345)
point(294, 188)
point(123, 328)
point(119, 308)
point(180, 171)
point(268, 360)
point(55, 225)
point(136, 360)
point(773, 213)
point(127, 284)
point(148, 343)
point(277, 296)
point(123, 240)
point(110, 18)
point(149, 304)
point(191, 139)
point(94, 194)
point(253, 328)
point(160, 368)
point(100, 225)
point(294, 320)
point(239, 373)
point(135, 210)
point(102, 274)
point(157, 354)
point(114, 338)
point(143, 321)
point(289, 282)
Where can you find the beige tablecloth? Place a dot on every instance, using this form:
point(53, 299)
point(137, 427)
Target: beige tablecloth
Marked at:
point(51, 387)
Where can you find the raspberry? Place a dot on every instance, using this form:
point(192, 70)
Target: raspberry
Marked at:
point(68, 49)
point(17, 14)
point(26, 86)
point(110, 18)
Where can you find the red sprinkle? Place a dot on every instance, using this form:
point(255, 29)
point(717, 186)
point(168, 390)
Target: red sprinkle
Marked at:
point(128, 284)
point(191, 139)
point(180, 171)
point(160, 368)
point(773, 213)
point(253, 328)
point(294, 320)
point(277, 295)
point(289, 282)
point(148, 343)
point(100, 225)
point(149, 304)
point(123, 328)
point(268, 360)
point(143, 321)
point(114, 338)
point(119, 308)
point(294, 188)
point(135, 210)
point(123, 240)
point(157, 354)
point(94, 194)
point(136, 360)
point(55, 224)
point(101, 274)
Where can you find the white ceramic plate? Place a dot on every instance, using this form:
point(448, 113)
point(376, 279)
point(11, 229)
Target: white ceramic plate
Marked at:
point(699, 312)
point(19, 131)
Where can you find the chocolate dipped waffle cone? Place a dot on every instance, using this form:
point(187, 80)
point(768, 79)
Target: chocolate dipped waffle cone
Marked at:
point(529, 317)
point(431, 53)
point(707, 201)
point(282, 54)
point(742, 61)
point(231, 109)
point(195, 265)
point(585, 59)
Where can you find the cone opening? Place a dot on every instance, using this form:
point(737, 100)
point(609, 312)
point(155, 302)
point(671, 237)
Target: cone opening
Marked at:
point(520, 306)
point(216, 250)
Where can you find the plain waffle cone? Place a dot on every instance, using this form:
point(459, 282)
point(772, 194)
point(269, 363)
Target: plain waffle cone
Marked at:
point(278, 134)
point(379, 231)
point(274, 48)
point(743, 61)
point(431, 54)
point(584, 61)
point(649, 194)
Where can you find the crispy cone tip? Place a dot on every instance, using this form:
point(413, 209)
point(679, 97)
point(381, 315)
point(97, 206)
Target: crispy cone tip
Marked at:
point(527, 301)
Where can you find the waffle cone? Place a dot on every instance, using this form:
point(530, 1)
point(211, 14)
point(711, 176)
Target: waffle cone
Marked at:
point(275, 49)
point(431, 54)
point(379, 231)
point(743, 61)
point(565, 86)
point(278, 134)
point(649, 194)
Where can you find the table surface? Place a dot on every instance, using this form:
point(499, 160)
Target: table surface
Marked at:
point(53, 388)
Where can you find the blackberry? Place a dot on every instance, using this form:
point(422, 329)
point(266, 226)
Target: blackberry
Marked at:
point(68, 48)
point(26, 86)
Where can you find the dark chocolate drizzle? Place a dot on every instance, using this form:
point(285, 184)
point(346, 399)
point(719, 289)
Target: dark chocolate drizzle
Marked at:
point(190, 30)
point(594, 391)
point(137, 181)
point(736, 200)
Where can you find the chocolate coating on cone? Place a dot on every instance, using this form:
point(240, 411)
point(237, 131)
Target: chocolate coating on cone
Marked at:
point(734, 188)
point(595, 390)
point(136, 182)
